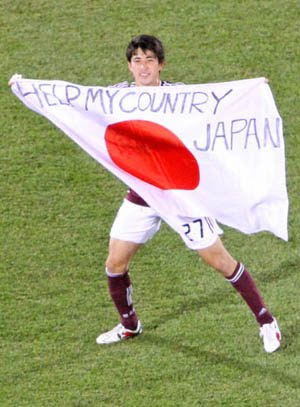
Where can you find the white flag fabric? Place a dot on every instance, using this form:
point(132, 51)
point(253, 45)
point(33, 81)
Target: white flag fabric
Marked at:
point(188, 150)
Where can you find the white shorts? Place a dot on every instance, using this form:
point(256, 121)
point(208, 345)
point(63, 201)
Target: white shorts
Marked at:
point(198, 233)
point(138, 224)
point(135, 223)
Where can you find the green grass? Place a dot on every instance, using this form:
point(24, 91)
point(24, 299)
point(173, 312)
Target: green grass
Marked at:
point(200, 345)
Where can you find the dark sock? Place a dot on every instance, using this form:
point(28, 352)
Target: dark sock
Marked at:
point(243, 282)
point(120, 290)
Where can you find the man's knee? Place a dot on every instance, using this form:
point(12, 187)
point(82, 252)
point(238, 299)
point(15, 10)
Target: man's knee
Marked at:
point(120, 255)
point(116, 265)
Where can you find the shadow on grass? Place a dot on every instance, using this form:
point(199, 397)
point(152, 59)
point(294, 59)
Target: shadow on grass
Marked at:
point(290, 340)
point(215, 358)
point(203, 301)
point(291, 332)
point(285, 270)
point(290, 335)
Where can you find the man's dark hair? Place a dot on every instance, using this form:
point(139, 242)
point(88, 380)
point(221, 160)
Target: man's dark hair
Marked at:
point(146, 42)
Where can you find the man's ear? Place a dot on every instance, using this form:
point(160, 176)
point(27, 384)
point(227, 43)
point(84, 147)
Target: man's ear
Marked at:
point(129, 66)
point(162, 65)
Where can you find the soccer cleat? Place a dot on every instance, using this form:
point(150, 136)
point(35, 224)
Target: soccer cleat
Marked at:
point(271, 336)
point(118, 333)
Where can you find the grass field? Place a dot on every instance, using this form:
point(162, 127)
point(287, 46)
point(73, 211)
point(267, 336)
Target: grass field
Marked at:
point(200, 345)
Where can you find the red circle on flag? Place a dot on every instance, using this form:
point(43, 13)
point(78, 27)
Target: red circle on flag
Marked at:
point(153, 154)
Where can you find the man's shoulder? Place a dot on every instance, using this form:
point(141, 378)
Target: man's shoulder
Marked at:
point(124, 84)
point(169, 83)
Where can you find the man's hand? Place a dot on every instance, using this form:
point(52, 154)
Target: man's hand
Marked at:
point(14, 78)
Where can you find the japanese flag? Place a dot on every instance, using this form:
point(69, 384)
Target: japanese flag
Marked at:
point(214, 150)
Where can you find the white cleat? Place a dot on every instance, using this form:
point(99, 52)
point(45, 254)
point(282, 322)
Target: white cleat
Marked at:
point(270, 333)
point(118, 333)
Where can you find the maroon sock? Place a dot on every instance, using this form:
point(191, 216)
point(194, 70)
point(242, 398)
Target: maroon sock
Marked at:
point(242, 281)
point(120, 290)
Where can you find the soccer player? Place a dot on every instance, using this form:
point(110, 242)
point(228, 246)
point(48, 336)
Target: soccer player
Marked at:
point(136, 223)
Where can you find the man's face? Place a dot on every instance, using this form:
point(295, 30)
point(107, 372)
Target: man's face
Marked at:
point(145, 68)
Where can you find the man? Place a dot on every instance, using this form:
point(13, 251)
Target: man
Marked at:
point(136, 223)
